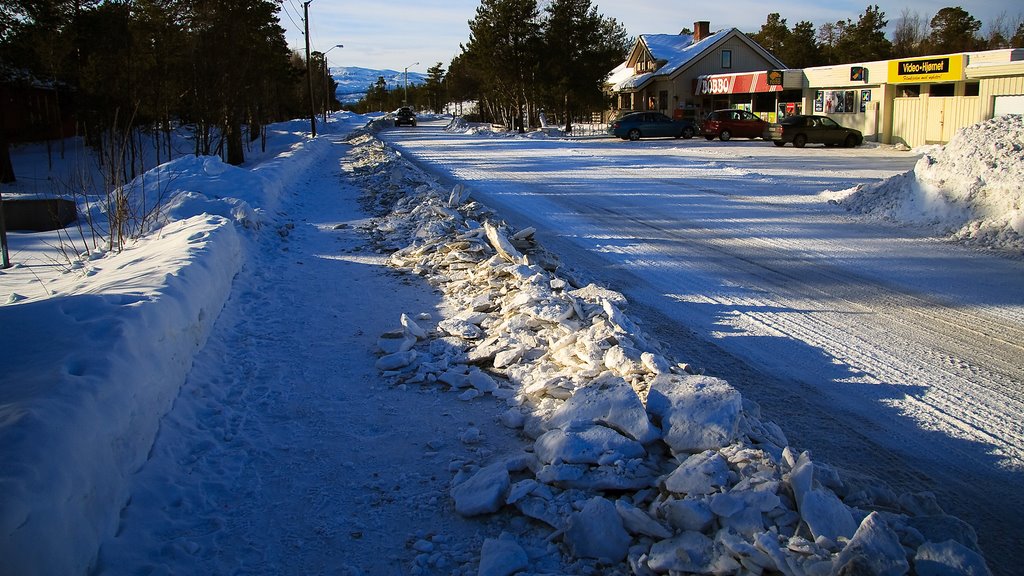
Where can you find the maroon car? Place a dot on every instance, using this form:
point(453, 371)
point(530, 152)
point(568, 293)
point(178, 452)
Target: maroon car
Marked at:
point(727, 124)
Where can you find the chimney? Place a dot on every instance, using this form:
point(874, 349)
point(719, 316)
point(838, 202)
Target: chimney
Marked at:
point(701, 30)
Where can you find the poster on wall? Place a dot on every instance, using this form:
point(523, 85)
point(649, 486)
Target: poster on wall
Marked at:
point(836, 101)
point(865, 97)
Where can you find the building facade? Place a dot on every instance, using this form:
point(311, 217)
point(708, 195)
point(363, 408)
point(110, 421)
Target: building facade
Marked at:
point(912, 101)
point(663, 71)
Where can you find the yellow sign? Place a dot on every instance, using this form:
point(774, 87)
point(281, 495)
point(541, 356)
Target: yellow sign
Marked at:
point(944, 69)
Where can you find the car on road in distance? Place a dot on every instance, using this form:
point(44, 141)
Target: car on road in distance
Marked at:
point(637, 125)
point(405, 115)
point(810, 129)
point(732, 123)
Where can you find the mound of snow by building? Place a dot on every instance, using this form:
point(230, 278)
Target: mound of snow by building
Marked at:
point(969, 190)
point(638, 465)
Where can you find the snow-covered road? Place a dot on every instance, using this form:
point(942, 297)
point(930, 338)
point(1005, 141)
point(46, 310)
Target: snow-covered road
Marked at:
point(883, 351)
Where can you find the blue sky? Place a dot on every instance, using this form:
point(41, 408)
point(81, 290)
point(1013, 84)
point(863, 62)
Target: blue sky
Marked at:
point(401, 33)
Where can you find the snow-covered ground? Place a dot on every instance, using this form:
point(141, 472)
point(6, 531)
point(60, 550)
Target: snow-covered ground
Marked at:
point(364, 371)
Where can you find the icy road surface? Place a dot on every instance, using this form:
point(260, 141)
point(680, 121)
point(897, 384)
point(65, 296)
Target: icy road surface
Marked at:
point(881, 350)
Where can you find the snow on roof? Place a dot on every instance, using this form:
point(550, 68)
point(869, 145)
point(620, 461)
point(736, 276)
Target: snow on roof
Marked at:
point(676, 50)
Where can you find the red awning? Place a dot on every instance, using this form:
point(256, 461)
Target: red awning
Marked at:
point(747, 83)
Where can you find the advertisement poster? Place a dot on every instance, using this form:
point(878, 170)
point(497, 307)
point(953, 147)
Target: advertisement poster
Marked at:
point(836, 102)
point(865, 97)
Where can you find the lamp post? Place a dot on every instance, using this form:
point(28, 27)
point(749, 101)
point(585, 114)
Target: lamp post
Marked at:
point(327, 76)
point(309, 71)
point(407, 81)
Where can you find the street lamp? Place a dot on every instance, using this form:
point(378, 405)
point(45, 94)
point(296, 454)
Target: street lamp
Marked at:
point(327, 76)
point(407, 80)
point(309, 71)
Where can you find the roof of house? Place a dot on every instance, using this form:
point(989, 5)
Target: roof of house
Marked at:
point(675, 52)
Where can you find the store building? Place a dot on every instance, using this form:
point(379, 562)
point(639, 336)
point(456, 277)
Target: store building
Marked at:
point(917, 101)
point(664, 71)
point(911, 101)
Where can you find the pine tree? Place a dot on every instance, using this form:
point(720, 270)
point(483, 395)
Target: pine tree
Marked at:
point(503, 50)
point(954, 30)
point(865, 41)
point(773, 35)
point(580, 47)
point(434, 88)
point(801, 50)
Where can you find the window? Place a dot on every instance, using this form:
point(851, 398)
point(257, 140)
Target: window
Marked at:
point(910, 91)
point(942, 90)
point(663, 100)
point(726, 58)
point(972, 89)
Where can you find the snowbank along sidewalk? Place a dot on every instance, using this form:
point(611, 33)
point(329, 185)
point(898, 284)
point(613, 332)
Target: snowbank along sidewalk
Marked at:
point(97, 348)
point(637, 465)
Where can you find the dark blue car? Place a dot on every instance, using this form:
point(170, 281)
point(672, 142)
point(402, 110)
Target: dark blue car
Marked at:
point(639, 125)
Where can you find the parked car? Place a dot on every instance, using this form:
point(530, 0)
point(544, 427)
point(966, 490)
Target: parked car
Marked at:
point(405, 115)
point(810, 129)
point(637, 125)
point(728, 124)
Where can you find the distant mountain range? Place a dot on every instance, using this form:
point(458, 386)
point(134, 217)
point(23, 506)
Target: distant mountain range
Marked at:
point(353, 81)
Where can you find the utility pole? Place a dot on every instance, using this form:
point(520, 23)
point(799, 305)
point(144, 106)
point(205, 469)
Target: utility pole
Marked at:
point(5, 257)
point(309, 71)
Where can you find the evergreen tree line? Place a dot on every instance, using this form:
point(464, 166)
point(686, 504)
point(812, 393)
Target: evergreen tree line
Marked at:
point(520, 60)
point(220, 67)
point(950, 30)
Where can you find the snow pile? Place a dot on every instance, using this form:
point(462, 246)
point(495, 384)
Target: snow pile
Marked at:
point(638, 464)
point(971, 189)
point(94, 361)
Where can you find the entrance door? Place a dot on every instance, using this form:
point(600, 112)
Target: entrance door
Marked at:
point(936, 120)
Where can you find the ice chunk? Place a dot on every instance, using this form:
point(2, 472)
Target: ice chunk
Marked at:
point(597, 532)
point(484, 492)
point(696, 412)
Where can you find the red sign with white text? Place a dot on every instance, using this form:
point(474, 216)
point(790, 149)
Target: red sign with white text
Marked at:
point(748, 83)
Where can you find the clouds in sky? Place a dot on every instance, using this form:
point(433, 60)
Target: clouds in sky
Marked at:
point(398, 33)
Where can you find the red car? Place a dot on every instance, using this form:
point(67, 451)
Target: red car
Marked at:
point(727, 124)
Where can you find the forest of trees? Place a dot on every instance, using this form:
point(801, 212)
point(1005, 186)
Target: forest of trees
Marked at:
point(950, 30)
point(521, 59)
point(221, 67)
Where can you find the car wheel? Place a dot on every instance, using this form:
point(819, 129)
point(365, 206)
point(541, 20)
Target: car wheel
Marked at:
point(724, 135)
point(687, 133)
point(851, 141)
point(634, 134)
point(799, 140)
point(778, 143)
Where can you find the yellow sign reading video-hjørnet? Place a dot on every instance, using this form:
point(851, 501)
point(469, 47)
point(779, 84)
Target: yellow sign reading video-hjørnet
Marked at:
point(937, 69)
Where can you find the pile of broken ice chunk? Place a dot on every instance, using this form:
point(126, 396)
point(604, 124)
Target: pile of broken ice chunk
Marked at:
point(637, 463)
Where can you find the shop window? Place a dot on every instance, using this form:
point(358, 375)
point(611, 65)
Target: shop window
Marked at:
point(941, 90)
point(910, 91)
point(972, 89)
point(726, 58)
